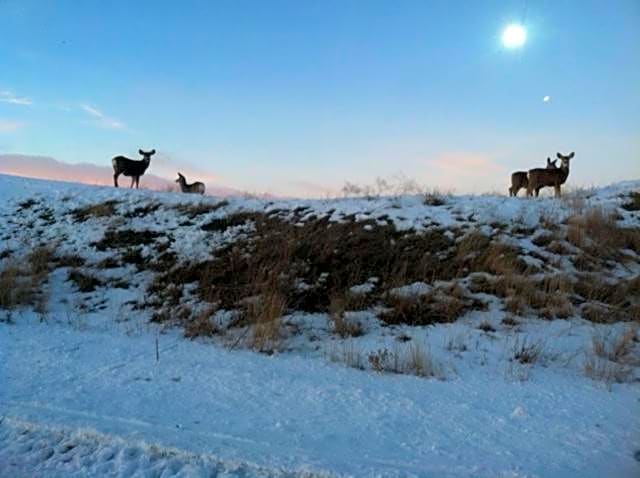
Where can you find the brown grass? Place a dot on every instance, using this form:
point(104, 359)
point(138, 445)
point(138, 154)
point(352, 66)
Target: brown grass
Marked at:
point(264, 317)
point(84, 282)
point(343, 326)
point(613, 356)
point(526, 351)
point(202, 325)
point(105, 209)
point(596, 232)
point(414, 360)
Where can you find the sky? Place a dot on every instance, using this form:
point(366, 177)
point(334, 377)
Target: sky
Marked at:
point(297, 97)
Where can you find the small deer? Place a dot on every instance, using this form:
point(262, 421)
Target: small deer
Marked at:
point(131, 168)
point(519, 179)
point(194, 188)
point(540, 178)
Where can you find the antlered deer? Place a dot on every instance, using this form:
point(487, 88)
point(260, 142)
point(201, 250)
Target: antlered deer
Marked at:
point(540, 178)
point(195, 188)
point(519, 179)
point(131, 168)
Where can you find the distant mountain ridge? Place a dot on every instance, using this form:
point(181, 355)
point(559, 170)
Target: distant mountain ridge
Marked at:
point(45, 167)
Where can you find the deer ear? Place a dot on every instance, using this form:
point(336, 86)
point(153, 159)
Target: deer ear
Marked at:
point(153, 151)
point(571, 155)
point(141, 152)
point(559, 155)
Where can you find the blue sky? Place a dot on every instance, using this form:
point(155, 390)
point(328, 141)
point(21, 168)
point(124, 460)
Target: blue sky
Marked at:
point(295, 97)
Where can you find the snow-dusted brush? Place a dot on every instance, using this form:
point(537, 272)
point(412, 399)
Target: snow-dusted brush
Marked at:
point(131, 168)
point(520, 181)
point(540, 178)
point(193, 188)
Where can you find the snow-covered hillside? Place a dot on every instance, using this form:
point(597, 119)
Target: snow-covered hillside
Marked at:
point(159, 334)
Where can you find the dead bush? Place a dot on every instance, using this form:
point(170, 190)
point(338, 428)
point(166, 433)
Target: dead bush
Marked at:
point(486, 326)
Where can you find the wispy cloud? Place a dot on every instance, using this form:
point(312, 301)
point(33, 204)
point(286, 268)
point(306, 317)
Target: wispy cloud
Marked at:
point(7, 96)
point(9, 126)
point(102, 119)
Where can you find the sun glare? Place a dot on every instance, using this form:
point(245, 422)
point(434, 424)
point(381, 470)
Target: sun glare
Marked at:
point(514, 36)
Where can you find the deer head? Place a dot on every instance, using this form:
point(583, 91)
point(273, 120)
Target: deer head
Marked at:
point(552, 164)
point(564, 160)
point(180, 178)
point(146, 155)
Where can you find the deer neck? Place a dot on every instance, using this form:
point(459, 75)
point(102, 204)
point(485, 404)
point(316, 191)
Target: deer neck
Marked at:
point(564, 173)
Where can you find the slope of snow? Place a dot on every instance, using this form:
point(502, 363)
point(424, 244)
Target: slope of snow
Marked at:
point(304, 415)
point(82, 393)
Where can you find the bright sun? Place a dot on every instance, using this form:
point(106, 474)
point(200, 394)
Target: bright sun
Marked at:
point(514, 36)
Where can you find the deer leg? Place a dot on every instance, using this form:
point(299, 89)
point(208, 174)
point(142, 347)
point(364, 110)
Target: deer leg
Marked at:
point(115, 179)
point(137, 181)
point(133, 179)
point(557, 191)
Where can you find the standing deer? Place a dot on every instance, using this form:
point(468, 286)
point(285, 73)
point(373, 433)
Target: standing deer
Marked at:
point(195, 188)
point(541, 178)
point(519, 178)
point(131, 168)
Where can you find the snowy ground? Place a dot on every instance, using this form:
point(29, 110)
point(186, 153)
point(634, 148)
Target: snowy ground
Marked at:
point(83, 394)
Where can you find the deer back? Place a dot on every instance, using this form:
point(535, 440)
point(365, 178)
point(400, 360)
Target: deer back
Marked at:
point(541, 177)
point(129, 167)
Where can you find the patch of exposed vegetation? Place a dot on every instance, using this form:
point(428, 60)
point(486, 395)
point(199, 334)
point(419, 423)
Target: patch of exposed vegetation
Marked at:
point(633, 202)
point(125, 238)
point(84, 281)
point(104, 209)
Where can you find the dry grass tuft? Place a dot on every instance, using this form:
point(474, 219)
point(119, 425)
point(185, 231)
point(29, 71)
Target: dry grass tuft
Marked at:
point(105, 209)
point(414, 360)
point(343, 326)
point(526, 351)
point(613, 356)
point(83, 281)
point(264, 317)
point(202, 325)
point(597, 233)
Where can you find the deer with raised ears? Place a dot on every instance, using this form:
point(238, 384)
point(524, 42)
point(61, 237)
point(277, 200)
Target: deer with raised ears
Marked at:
point(519, 179)
point(193, 188)
point(542, 178)
point(131, 168)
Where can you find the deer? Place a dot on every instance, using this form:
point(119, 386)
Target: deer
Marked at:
point(519, 179)
point(194, 188)
point(540, 178)
point(131, 168)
